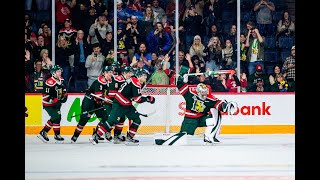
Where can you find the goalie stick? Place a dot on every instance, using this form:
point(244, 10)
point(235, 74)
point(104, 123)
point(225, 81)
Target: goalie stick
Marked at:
point(212, 72)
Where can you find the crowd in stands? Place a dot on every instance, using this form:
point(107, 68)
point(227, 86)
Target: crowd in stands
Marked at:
point(84, 42)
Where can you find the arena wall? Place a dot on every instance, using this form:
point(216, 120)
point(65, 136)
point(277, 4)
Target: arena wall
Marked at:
point(258, 113)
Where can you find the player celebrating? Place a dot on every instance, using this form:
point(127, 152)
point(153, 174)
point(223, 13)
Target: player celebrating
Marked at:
point(127, 72)
point(96, 97)
point(199, 102)
point(122, 106)
point(53, 95)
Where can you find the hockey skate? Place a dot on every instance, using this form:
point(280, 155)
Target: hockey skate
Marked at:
point(43, 136)
point(59, 139)
point(108, 136)
point(215, 140)
point(95, 138)
point(207, 141)
point(94, 131)
point(73, 139)
point(130, 141)
point(118, 139)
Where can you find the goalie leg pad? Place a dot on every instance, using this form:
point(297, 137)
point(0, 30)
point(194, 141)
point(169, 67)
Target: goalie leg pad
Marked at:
point(213, 126)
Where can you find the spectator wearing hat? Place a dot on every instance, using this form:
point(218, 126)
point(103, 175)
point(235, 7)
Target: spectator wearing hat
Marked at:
point(289, 69)
point(102, 25)
point(123, 17)
point(252, 79)
point(259, 86)
point(68, 31)
point(255, 55)
point(63, 12)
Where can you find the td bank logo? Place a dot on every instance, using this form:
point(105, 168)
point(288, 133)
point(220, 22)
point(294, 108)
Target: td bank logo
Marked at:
point(262, 109)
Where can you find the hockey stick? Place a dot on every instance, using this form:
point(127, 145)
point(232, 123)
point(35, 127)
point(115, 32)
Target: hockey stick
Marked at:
point(212, 73)
point(109, 100)
point(148, 114)
point(86, 112)
point(104, 99)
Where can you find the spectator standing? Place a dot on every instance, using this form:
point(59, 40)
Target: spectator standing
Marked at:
point(289, 69)
point(264, 9)
point(192, 25)
point(159, 40)
point(63, 51)
point(228, 58)
point(94, 64)
point(63, 12)
point(81, 49)
point(158, 12)
point(102, 25)
point(285, 26)
point(214, 54)
point(148, 20)
point(243, 54)
point(197, 48)
point(255, 46)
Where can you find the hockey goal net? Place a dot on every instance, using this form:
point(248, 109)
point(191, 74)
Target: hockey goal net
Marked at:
point(166, 114)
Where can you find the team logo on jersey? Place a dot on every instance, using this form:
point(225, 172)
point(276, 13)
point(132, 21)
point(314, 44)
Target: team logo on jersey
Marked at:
point(116, 85)
point(198, 106)
point(118, 118)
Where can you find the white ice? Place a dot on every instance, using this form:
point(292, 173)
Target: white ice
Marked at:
point(236, 157)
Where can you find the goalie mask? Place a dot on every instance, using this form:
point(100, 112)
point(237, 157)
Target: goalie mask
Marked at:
point(202, 91)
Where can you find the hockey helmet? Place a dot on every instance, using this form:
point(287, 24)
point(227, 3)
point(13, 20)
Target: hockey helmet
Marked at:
point(140, 72)
point(107, 69)
point(202, 91)
point(127, 69)
point(55, 68)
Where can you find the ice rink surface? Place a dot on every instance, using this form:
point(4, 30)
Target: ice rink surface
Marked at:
point(237, 157)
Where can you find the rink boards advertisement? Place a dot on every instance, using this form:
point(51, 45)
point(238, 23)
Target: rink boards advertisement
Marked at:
point(258, 113)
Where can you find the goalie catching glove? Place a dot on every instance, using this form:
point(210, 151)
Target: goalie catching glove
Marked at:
point(231, 107)
point(151, 99)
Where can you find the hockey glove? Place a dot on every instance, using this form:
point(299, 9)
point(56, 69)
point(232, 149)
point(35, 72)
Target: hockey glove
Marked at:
point(64, 98)
point(231, 107)
point(151, 99)
point(185, 78)
point(57, 103)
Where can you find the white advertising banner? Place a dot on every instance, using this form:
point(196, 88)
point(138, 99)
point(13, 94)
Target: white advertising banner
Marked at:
point(253, 109)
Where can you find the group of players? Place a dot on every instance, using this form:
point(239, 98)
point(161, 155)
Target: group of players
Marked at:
point(110, 97)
